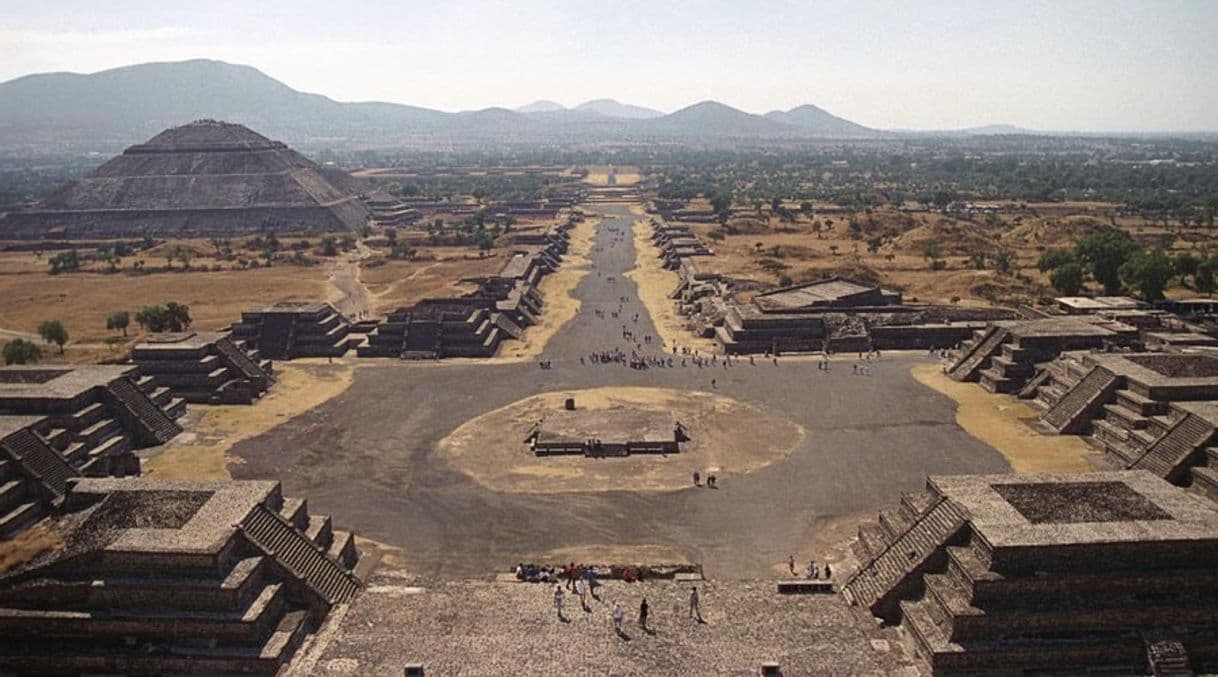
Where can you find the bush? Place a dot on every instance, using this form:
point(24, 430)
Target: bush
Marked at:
point(21, 351)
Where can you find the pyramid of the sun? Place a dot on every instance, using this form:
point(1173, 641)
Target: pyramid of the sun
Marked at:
point(205, 178)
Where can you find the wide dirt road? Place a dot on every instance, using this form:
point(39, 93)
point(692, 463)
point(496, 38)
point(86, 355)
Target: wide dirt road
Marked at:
point(369, 456)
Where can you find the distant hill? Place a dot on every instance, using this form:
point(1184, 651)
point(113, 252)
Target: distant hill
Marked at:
point(541, 106)
point(615, 109)
point(820, 122)
point(717, 120)
point(112, 109)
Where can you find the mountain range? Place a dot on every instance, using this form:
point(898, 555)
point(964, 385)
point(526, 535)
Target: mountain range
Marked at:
point(125, 105)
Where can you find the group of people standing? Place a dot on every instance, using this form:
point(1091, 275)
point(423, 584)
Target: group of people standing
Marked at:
point(618, 614)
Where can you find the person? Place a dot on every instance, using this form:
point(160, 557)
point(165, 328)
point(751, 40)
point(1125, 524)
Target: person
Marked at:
point(810, 572)
point(712, 481)
point(697, 479)
point(828, 572)
point(714, 384)
point(618, 614)
point(558, 600)
point(643, 611)
point(694, 610)
point(581, 589)
point(571, 576)
point(791, 563)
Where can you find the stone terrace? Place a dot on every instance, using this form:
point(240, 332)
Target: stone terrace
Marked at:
point(1038, 572)
point(205, 367)
point(291, 329)
point(174, 576)
point(484, 628)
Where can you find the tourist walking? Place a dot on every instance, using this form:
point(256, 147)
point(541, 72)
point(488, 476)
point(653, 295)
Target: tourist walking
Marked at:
point(695, 611)
point(581, 589)
point(791, 564)
point(558, 601)
point(643, 611)
point(618, 614)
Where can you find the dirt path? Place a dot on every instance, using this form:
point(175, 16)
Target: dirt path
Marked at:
point(1001, 421)
point(347, 292)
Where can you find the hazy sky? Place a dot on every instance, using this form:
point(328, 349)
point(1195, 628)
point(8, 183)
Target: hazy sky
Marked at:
point(1109, 65)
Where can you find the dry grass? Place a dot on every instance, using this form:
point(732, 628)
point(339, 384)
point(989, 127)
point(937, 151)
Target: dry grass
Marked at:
point(1001, 421)
point(202, 453)
point(436, 273)
point(27, 545)
point(598, 175)
point(763, 249)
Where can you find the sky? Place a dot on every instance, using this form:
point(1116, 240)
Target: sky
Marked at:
point(1060, 65)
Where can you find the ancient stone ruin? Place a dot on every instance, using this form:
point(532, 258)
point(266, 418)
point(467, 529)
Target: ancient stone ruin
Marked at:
point(57, 423)
point(155, 577)
point(474, 325)
point(206, 178)
point(601, 433)
point(1004, 355)
point(1017, 573)
point(204, 367)
point(291, 329)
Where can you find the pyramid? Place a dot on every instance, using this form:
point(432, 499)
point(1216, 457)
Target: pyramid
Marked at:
point(206, 178)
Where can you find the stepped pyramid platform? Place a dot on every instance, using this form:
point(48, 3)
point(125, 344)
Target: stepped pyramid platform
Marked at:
point(93, 415)
point(291, 329)
point(1005, 355)
point(472, 325)
point(206, 178)
point(154, 577)
point(204, 367)
point(1013, 573)
point(1152, 411)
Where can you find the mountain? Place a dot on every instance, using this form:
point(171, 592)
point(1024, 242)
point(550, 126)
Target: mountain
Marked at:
point(615, 109)
point(717, 120)
point(820, 122)
point(541, 106)
point(109, 110)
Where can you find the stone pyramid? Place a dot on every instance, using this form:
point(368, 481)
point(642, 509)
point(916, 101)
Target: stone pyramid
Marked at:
point(206, 178)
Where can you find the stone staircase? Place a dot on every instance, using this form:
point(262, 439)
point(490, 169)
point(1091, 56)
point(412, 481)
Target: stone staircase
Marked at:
point(1170, 456)
point(977, 353)
point(301, 557)
point(879, 583)
point(1071, 413)
point(239, 360)
point(275, 339)
point(157, 426)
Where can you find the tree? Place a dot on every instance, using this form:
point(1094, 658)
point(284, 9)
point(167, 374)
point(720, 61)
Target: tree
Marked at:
point(1185, 265)
point(21, 351)
point(118, 321)
point(978, 259)
point(1004, 262)
point(1054, 259)
point(1104, 252)
point(329, 246)
point(805, 208)
point(1204, 278)
point(1148, 272)
point(1067, 278)
point(53, 331)
point(169, 317)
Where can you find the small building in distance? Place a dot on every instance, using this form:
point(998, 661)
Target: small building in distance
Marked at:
point(204, 367)
point(1028, 573)
point(170, 577)
point(291, 329)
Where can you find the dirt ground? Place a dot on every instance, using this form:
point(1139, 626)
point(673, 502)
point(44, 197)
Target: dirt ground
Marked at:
point(725, 433)
point(655, 284)
point(1001, 421)
point(436, 273)
point(202, 451)
point(598, 175)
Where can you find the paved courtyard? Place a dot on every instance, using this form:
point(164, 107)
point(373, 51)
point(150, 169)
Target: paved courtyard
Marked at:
point(369, 456)
point(479, 628)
